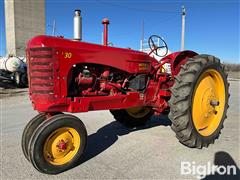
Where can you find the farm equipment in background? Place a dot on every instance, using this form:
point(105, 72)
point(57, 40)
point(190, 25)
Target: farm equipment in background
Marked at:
point(14, 69)
point(73, 76)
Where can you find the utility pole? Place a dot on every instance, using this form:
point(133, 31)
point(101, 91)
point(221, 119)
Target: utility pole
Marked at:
point(54, 27)
point(183, 27)
point(142, 41)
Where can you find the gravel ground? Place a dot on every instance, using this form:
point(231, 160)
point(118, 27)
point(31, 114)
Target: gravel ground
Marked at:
point(115, 152)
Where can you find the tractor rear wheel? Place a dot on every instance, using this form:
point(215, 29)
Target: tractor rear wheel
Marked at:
point(132, 117)
point(199, 101)
point(57, 144)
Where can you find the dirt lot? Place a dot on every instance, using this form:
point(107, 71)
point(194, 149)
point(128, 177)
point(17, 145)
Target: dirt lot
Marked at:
point(115, 152)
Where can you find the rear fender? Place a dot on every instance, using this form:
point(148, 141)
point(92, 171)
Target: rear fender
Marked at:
point(178, 59)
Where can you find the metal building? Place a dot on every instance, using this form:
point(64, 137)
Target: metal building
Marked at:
point(23, 20)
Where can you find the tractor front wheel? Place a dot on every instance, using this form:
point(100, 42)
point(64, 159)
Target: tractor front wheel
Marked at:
point(199, 101)
point(28, 131)
point(132, 117)
point(57, 144)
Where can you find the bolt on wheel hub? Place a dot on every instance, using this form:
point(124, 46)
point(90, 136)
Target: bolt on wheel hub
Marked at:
point(61, 146)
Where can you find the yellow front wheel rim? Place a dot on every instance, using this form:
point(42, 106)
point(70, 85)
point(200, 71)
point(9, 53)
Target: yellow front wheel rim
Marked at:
point(61, 146)
point(208, 102)
point(138, 112)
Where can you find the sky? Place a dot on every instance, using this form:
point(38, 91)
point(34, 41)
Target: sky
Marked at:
point(212, 27)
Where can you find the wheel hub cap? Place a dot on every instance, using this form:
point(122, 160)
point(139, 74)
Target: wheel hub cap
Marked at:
point(61, 146)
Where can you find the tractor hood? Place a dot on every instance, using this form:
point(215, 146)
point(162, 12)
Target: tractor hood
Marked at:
point(125, 59)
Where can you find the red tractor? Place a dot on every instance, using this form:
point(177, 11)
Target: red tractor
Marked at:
point(73, 76)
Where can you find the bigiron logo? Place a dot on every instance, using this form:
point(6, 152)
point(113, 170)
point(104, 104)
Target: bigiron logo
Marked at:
point(203, 170)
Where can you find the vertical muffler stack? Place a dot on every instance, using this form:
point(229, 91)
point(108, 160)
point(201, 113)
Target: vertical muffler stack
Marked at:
point(77, 26)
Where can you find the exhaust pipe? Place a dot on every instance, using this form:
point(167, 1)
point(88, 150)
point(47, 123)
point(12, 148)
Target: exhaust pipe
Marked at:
point(77, 26)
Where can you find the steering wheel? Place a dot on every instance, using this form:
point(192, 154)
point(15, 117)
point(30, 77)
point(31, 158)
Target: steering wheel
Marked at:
point(157, 49)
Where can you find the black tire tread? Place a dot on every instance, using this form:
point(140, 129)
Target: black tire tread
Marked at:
point(28, 131)
point(179, 102)
point(36, 135)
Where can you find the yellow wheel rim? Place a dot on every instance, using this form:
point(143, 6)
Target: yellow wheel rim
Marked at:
point(208, 102)
point(61, 146)
point(138, 112)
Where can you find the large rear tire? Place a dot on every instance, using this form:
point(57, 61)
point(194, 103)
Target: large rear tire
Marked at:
point(199, 101)
point(132, 117)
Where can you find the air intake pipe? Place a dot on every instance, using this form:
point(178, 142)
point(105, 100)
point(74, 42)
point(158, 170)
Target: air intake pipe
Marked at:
point(105, 23)
point(77, 26)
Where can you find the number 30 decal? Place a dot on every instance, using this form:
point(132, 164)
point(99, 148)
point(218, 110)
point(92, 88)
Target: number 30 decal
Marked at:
point(67, 55)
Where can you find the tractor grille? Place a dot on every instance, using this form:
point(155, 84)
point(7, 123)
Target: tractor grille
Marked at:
point(41, 71)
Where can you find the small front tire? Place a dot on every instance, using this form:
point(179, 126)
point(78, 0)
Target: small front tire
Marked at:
point(28, 131)
point(58, 144)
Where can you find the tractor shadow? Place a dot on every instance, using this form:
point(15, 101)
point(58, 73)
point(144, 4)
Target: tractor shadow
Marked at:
point(108, 135)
